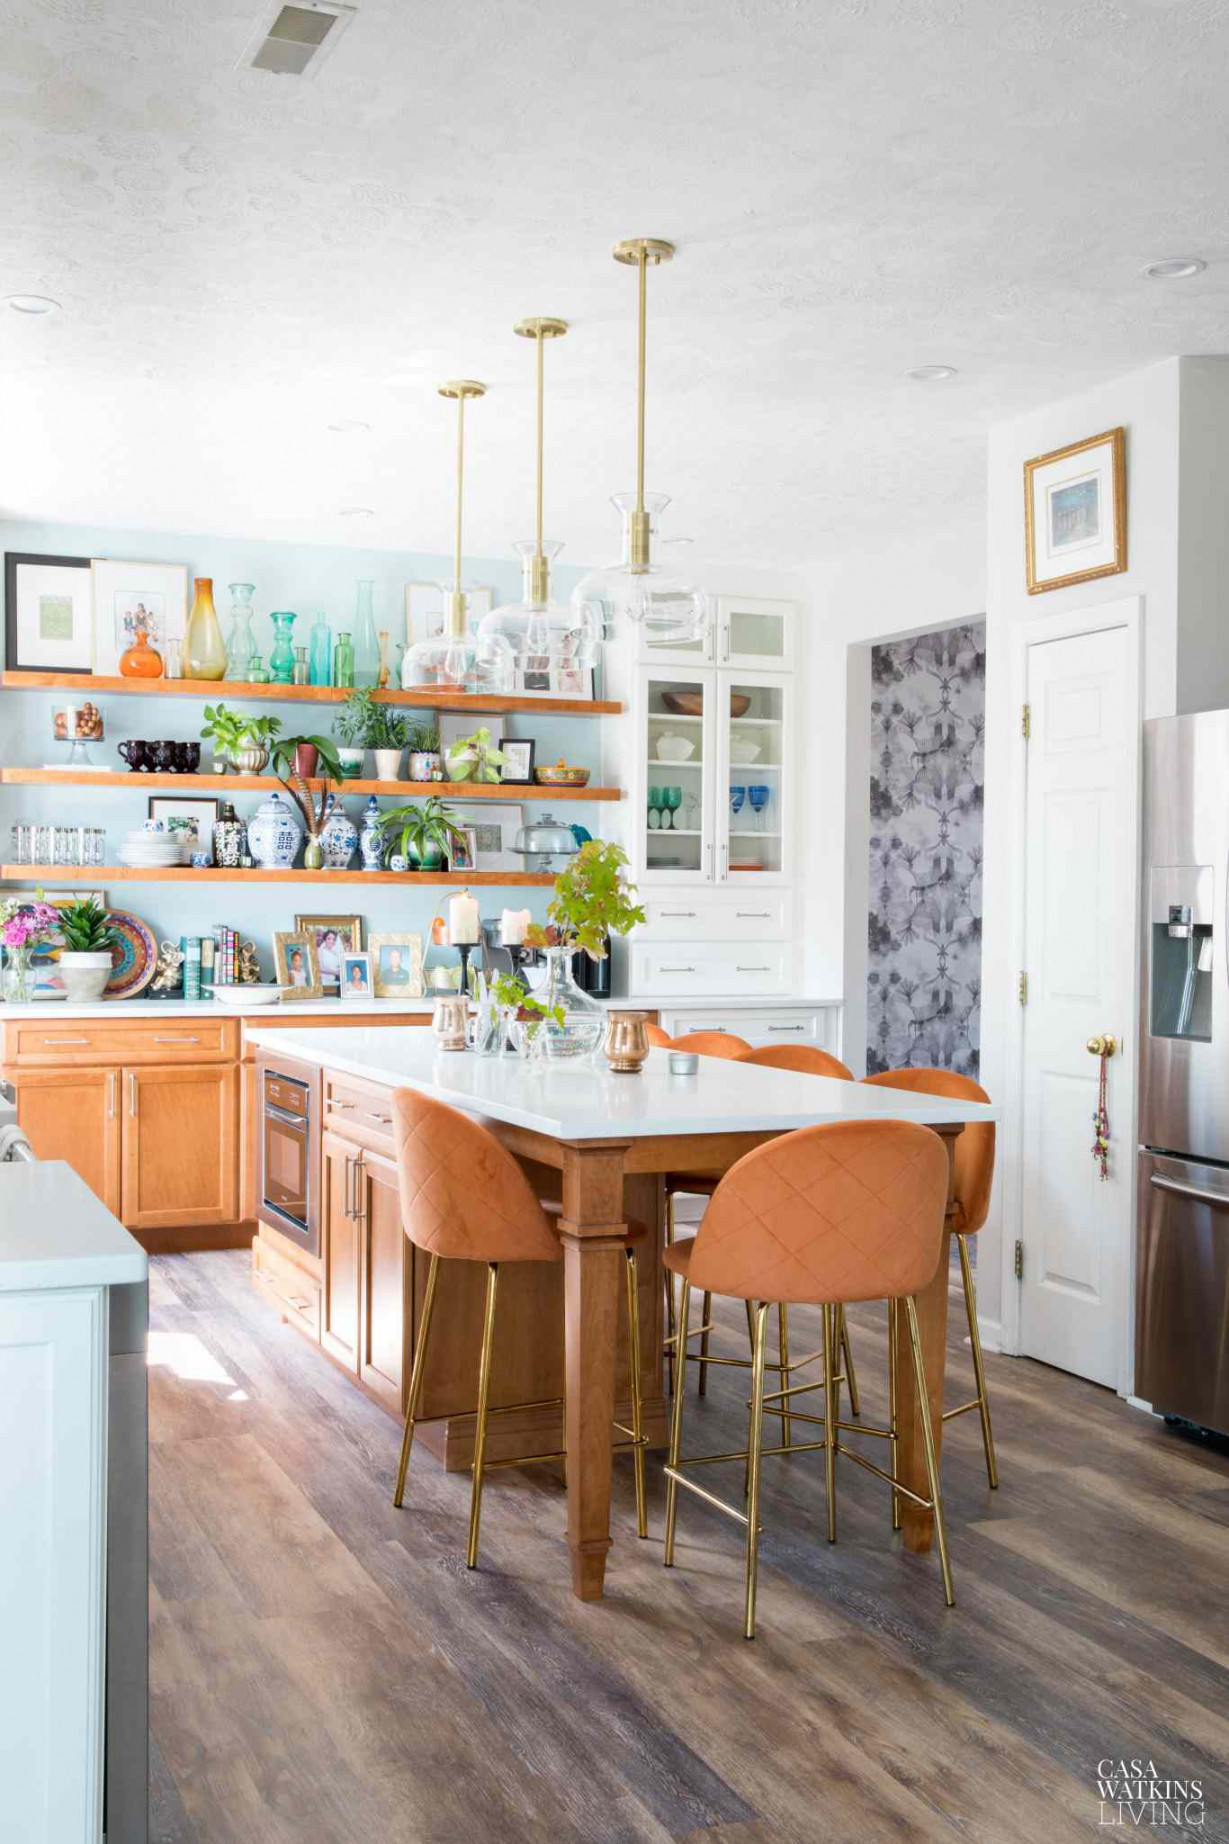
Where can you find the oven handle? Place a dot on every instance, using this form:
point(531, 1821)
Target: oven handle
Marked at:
point(288, 1120)
point(1218, 1199)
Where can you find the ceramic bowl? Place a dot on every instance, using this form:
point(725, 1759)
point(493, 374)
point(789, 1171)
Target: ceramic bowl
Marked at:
point(675, 749)
point(248, 995)
point(560, 775)
point(743, 751)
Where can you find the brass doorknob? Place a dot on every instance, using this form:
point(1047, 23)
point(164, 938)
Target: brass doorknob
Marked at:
point(1102, 1046)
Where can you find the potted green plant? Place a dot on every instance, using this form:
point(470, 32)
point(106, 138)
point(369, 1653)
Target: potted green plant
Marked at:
point(239, 742)
point(423, 835)
point(593, 900)
point(386, 736)
point(423, 743)
point(350, 727)
point(473, 758)
point(86, 961)
point(290, 757)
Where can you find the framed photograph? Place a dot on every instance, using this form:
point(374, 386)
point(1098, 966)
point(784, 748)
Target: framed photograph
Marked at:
point(192, 817)
point(494, 828)
point(397, 966)
point(569, 681)
point(132, 599)
point(335, 936)
point(532, 680)
point(357, 981)
point(464, 857)
point(519, 751)
point(48, 613)
point(295, 964)
point(1075, 513)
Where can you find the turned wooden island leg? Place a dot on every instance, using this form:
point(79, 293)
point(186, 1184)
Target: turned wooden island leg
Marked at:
point(918, 1525)
point(592, 1230)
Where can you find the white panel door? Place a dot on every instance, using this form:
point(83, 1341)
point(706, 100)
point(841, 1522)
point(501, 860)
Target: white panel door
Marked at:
point(1079, 960)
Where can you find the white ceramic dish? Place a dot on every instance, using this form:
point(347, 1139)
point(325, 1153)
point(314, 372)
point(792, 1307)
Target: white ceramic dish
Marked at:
point(743, 752)
point(675, 749)
point(248, 995)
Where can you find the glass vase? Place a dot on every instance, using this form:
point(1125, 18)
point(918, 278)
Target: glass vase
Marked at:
point(241, 645)
point(18, 977)
point(583, 1030)
point(343, 661)
point(366, 644)
point(140, 660)
point(204, 651)
point(281, 660)
point(322, 652)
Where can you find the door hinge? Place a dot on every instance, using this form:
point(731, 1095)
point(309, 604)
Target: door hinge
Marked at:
point(1022, 989)
point(1019, 1261)
point(1026, 722)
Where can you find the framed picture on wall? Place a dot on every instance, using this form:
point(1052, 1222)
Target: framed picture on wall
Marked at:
point(48, 613)
point(1075, 513)
point(131, 599)
point(295, 964)
point(356, 976)
point(192, 817)
point(397, 964)
point(494, 829)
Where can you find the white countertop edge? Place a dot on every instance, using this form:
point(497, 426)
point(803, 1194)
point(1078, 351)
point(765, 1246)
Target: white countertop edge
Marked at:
point(54, 1233)
point(49, 1010)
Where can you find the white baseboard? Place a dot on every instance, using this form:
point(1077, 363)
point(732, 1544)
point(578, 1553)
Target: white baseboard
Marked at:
point(1137, 1402)
point(991, 1333)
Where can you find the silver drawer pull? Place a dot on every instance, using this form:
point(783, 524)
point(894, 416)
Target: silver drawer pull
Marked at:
point(1218, 1199)
point(753, 969)
point(676, 969)
point(177, 1040)
point(752, 915)
point(385, 1120)
point(787, 1027)
point(48, 1041)
point(678, 915)
point(340, 1107)
point(298, 1304)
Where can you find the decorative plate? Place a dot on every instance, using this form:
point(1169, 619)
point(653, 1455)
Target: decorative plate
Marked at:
point(135, 956)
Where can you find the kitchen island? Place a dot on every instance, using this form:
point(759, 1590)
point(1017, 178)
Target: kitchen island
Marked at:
point(600, 1143)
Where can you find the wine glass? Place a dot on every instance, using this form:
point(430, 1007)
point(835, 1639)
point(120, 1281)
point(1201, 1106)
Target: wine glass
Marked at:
point(738, 797)
point(758, 796)
point(654, 809)
point(691, 812)
point(672, 800)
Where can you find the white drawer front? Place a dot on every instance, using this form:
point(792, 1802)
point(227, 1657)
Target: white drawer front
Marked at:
point(697, 916)
point(762, 967)
point(818, 1026)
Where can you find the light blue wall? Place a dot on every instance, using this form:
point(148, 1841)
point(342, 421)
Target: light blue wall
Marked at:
point(304, 578)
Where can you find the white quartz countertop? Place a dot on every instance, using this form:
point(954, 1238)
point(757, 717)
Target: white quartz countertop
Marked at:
point(55, 1233)
point(49, 1010)
point(724, 1002)
point(582, 1100)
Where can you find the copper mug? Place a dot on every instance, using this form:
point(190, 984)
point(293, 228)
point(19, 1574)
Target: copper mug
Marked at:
point(449, 1020)
point(627, 1042)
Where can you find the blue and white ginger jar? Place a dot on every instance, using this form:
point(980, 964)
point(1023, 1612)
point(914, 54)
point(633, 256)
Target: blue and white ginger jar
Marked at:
point(275, 834)
point(371, 842)
point(338, 837)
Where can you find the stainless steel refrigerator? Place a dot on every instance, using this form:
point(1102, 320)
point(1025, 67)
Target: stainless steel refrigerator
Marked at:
point(1182, 1291)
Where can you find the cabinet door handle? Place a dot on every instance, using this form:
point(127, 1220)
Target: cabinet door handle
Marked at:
point(132, 1094)
point(47, 1041)
point(385, 1120)
point(360, 1211)
point(678, 915)
point(346, 1207)
point(111, 1096)
point(177, 1040)
point(753, 969)
point(752, 915)
point(725, 861)
point(676, 969)
point(340, 1107)
point(787, 1027)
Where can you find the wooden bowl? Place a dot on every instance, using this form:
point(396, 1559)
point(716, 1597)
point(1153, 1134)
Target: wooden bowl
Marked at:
point(691, 703)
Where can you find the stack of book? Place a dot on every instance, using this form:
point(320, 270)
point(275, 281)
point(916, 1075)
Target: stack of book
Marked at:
point(209, 961)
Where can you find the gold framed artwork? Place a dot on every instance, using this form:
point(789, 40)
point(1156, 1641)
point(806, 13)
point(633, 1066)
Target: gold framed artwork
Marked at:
point(1075, 513)
point(397, 966)
point(296, 966)
point(334, 937)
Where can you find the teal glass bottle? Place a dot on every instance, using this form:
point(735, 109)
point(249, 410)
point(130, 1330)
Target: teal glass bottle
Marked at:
point(281, 660)
point(343, 662)
point(322, 652)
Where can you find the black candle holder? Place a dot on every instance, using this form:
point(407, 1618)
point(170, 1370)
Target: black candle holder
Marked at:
point(465, 949)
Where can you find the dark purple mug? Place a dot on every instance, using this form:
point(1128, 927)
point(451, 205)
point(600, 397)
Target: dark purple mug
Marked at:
point(187, 758)
point(162, 757)
point(133, 752)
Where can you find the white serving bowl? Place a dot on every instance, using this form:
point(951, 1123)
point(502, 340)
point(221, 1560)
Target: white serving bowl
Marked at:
point(248, 995)
point(743, 752)
point(675, 749)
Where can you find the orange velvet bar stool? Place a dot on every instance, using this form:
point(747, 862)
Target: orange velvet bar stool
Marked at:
point(822, 1217)
point(465, 1198)
point(973, 1177)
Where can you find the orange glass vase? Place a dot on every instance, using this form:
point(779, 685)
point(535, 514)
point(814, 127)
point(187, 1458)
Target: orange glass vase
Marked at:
point(204, 650)
point(141, 661)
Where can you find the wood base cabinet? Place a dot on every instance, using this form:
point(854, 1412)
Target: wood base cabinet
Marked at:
point(340, 1251)
point(180, 1145)
point(73, 1114)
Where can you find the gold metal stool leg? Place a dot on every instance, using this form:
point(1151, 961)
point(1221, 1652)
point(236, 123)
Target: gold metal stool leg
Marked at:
point(484, 1384)
point(831, 1431)
point(633, 1365)
point(706, 1315)
point(787, 1420)
point(928, 1442)
point(754, 1449)
point(676, 1432)
point(416, 1378)
point(668, 1278)
point(847, 1352)
point(893, 1413)
point(979, 1368)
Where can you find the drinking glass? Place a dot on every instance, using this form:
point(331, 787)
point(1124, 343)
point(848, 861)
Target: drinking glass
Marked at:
point(23, 844)
point(691, 812)
point(44, 842)
point(758, 796)
point(66, 847)
point(654, 809)
point(738, 798)
point(96, 845)
point(672, 800)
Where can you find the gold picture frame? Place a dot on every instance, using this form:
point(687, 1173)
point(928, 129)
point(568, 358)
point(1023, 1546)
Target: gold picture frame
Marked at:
point(396, 960)
point(348, 929)
point(1075, 513)
point(296, 964)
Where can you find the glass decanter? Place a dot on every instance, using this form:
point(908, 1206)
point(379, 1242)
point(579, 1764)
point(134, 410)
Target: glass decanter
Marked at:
point(281, 660)
point(241, 644)
point(366, 645)
point(583, 1030)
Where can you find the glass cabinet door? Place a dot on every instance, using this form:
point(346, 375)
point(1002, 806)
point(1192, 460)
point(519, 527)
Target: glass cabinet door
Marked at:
point(754, 752)
point(674, 782)
point(755, 631)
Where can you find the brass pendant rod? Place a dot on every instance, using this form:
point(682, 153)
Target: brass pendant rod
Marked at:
point(540, 342)
point(643, 267)
point(460, 483)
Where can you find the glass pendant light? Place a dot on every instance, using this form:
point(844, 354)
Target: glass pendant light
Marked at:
point(544, 635)
point(666, 603)
point(456, 659)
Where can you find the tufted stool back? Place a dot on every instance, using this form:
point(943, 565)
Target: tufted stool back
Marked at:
point(463, 1195)
point(973, 1164)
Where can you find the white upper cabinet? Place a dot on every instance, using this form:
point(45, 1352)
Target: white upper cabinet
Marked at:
point(752, 632)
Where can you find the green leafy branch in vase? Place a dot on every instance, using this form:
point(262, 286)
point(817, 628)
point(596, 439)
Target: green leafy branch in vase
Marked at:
point(593, 899)
point(510, 996)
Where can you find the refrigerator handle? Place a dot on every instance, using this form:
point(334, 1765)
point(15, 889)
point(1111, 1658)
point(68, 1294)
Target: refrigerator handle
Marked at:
point(1218, 1199)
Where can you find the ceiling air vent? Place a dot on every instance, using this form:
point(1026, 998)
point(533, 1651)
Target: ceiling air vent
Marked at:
point(294, 41)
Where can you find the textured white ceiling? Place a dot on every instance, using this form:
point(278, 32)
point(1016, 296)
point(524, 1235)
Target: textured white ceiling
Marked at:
point(855, 188)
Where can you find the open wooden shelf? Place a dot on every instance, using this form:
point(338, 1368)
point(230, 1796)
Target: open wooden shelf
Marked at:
point(219, 874)
point(422, 698)
point(224, 784)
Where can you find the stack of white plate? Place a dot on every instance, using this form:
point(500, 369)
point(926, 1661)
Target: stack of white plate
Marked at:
point(149, 851)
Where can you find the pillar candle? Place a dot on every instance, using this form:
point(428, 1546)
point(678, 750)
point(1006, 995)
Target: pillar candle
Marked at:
point(464, 926)
point(512, 926)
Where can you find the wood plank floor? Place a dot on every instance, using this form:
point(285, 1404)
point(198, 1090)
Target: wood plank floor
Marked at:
point(324, 1668)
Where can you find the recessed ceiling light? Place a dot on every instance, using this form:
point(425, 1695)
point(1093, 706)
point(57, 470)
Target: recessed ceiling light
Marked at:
point(32, 304)
point(357, 512)
point(349, 425)
point(931, 374)
point(1173, 268)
